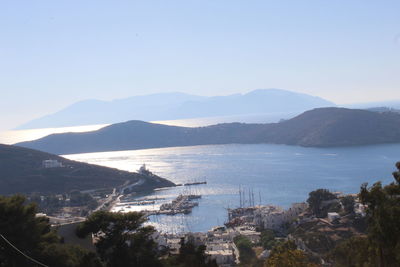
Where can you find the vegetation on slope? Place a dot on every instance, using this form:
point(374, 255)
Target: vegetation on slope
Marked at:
point(373, 240)
point(288, 255)
point(21, 171)
point(33, 236)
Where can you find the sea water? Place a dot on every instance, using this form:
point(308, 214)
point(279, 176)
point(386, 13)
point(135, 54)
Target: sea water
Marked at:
point(268, 174)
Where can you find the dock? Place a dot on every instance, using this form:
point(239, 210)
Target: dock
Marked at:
point(183, 204)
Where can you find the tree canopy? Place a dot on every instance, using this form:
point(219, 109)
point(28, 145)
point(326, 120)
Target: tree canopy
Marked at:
point(267, 239)
point(381, 246)
point(317, 201)
point(190, 255)
point(26, 237)
point(348, 204)
point(247, 255)
point(384, 219)
point(288, 255)
point(121, 238)
point(354, 252)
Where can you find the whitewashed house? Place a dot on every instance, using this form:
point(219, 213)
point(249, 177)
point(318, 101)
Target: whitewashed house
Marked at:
point(51, 163)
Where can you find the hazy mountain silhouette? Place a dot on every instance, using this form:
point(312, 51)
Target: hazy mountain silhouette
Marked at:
point(321, 127)
point(172, 106)
point(21, 171)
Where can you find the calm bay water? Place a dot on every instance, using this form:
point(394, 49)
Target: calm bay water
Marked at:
point(277, 174)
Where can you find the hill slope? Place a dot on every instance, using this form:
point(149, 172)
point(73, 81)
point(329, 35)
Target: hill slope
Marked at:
point(327, 127)
point(172, 106)
point(21, 171)
point(318, 128)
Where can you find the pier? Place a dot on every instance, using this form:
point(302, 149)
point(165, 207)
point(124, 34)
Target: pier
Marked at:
point(182, 204)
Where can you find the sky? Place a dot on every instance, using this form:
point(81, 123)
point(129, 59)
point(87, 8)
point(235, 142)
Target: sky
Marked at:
point(55, 53)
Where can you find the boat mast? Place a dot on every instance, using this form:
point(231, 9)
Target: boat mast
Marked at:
point(249, 198)
point(240, 196)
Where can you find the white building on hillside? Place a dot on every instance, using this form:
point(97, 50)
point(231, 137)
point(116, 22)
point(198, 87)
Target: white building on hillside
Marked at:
point(275, 219)
point(51, 163)
point(333, 216)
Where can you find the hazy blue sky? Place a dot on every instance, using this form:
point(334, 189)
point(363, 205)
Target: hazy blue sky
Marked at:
point(53, 53)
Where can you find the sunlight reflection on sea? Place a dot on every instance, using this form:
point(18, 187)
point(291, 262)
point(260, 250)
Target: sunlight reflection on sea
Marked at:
point(275, 174)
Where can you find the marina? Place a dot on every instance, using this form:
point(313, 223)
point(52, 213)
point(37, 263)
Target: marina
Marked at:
point(182, 204)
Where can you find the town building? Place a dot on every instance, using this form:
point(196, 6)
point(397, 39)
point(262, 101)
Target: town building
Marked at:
point(268, 217)
point(51, 163)
point(333, 216)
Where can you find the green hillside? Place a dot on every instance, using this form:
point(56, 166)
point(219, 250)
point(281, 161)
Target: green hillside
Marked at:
point(21, 171)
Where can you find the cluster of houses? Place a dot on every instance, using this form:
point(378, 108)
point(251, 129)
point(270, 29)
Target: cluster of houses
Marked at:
point(265, 216)
point(244, 221)
point(218, 241)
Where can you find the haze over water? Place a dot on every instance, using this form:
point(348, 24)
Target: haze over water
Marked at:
point(280, 174)
point(15, 136)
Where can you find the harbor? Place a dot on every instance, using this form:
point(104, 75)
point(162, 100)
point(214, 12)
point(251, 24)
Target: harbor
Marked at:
point(226, 167)
point(182, 203)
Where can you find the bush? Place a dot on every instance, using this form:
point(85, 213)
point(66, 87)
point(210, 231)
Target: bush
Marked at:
point(244, 245)
point(316, 199)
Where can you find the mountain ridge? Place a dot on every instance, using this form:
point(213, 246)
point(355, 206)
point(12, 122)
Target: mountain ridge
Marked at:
point(323, 127)
point(172, 106)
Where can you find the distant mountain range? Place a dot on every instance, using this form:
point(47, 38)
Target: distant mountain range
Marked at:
point(173, 106)
point(323, 127)
point(21, 171)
